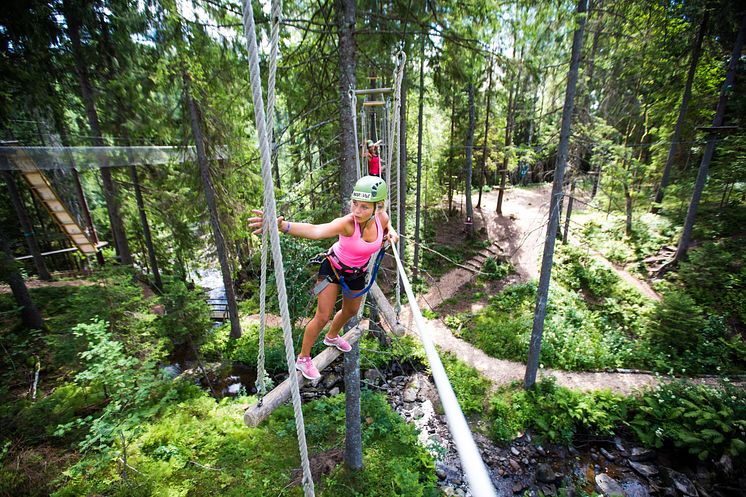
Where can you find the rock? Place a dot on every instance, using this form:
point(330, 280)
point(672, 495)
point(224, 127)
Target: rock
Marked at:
point(725, 465)
point(440, 472)
point(514, 451)
point(334, 391)
point(595, 457)
point(541, 450)
point(525, 461)
point(544, 473)
point(330, 380)
point(633, 488)
point(618, 444)
point(410, 391)
point(373, 376)
point(514, 466)
point(642, 455)
point(608, 455)
point(682, 483)
point(608, 486)
point(646, 470)
point(518, 487)
point(549, 490)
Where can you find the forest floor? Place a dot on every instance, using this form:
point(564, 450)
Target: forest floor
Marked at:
point(520, 234)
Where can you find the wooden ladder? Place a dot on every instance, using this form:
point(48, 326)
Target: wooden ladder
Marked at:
point(45, 192)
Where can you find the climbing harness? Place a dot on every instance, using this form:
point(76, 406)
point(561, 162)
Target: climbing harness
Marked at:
point(352, 272)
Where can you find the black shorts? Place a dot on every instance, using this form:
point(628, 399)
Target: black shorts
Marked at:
point(326, 271)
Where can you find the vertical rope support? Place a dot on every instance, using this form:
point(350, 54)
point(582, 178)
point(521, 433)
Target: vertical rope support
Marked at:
point(363, 143)
point(353, 109)
point(274, 235)
point(401, 59)
point(387, 142)
point(260, 373)
point(480, 483)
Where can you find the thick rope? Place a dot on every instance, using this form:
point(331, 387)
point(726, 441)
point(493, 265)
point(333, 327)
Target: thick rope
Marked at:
point(274, 235)
point(353, 110)
point(261, 387)
point(480, 483)
point(396, 125)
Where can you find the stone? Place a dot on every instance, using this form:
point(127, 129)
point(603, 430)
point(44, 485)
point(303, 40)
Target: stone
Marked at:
point(330, 380)
point(646, 470)
point(633, 488)
point(514, 466)
point(518, 487)
point(373, 376)
point(682, 484)
point(639, 454)
point(725, 465)
point(525, 461)
point(608, 455)
point(544, 473)
point(334, 391)
point(410, 391)
point(541, 450)
point(514, 451)
point(595, 457)
point(549, 490)
point(618, 444)
point(608, 486)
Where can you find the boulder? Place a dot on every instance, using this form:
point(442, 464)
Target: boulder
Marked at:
point(646, 470)
point(545, 473)
point(639, 454)
point(608, 486)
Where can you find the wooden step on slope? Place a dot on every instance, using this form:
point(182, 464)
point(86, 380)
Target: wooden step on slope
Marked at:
point(40, 185)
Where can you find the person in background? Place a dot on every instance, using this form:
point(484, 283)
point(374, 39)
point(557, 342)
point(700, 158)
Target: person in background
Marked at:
point(374, 159)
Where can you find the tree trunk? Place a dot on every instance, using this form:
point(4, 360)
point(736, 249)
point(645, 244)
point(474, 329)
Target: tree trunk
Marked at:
point(418, 199)
point(450, 157)
point(468, 167)
point(146, 229)
point(504, 170)
point(86, 92)
point(704, 166)
point(676, 138)
point(28, 229)
point(9, 272)
point(353, 428)
point(204, 169)
point(532, 364)
point(570, 200)
point(483, 173)
point(347, 63)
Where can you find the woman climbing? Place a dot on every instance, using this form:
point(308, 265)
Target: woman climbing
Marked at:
point(361, 234)
point(374, 159)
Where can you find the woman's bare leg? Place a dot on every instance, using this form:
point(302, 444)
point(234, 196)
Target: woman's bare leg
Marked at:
point(324, 307)
point(350, 306)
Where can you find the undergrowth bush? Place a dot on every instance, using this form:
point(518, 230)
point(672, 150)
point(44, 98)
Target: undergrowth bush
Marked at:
point(554, 413)
point(202, 448)
point(470, 387)
point(574, 337)
point(705, 421)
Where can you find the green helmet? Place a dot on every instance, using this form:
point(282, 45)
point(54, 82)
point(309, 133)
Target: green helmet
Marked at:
point(369, 189)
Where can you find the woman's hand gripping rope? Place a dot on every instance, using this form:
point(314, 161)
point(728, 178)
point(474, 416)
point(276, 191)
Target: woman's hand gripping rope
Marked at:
point(257, 223)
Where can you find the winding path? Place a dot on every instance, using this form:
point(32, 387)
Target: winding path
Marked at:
point(520, 233)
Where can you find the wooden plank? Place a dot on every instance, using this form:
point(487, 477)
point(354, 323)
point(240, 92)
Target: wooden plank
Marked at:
point(281, 393)
point(385, 310)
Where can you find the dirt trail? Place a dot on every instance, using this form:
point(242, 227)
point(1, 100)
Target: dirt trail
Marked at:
point(520, 232)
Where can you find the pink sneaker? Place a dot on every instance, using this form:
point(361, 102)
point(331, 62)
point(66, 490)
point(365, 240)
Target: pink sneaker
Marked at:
point(307, 368)
point(338, 342)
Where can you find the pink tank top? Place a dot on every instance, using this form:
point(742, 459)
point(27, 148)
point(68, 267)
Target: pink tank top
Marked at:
point(374, 164)
point(354, 251)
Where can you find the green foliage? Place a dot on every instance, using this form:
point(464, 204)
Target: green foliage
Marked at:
point(471, 388)
point(496, 269)
point(200, 447)
point(574, 337)
point(187, 313)
point(133, 391)
point(403, 350)
point(702, 420)
point(554, 413)
point(714, 275)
